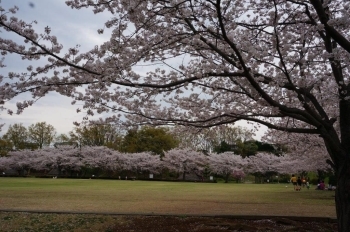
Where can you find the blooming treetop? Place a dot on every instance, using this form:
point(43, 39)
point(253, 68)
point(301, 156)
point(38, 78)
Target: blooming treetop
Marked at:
point(178, 160)
point(145, 161)
point(100, 157)
point(184, 160)
point(308, 150)
point(22, 160)
point(267, 55)
point(263, 162)
point(226, 163)
point(285, 164)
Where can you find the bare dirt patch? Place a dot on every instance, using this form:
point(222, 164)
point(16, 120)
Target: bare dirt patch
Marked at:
point(20, 221)
point(210, 224)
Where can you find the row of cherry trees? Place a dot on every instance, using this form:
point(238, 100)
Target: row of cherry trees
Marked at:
point(180, 161)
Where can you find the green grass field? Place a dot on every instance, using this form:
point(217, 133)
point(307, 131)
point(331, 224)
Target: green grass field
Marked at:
point(147, 197)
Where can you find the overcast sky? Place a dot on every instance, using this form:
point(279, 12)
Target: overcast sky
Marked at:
point(72, 27)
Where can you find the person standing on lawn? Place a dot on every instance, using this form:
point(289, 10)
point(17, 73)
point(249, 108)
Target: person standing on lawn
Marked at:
point(304, 181)
point(294, 181)
point(299, 183)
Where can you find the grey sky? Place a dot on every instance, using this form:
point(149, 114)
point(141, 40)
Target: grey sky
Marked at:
point(71, 27)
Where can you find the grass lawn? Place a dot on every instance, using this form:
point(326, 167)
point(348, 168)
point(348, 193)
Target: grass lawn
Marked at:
point(181, 198)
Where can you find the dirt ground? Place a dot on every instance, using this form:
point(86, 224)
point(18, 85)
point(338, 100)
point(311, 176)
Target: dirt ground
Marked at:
point(22, 221)
point(210, 224)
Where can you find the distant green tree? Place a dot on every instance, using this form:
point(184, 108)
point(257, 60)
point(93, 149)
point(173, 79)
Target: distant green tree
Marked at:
point(41, 133)
point(28, 145)
point(115, 143)
point(130, 143)
point(223, 147)
point(5, 147)
point(94, 135)
point(276, 149)
point(265, 147)
point(17, 134)
point(246, 148)
point(62, 138)
point(156, 140)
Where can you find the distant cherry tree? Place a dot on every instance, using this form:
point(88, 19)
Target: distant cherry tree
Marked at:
point(72, 159)
point(20, 161)
point(226, 164)
point(238, 175)
point(185, 161)
point(143, 162)
point(308, 150)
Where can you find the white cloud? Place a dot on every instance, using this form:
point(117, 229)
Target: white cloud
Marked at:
point(54, 109)
point(72, 27)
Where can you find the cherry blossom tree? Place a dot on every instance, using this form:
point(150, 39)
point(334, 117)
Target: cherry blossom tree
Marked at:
point(238, 175)
point(209, 139)
point(44, 160)
point(226, 164)
point(143, 162)
point(281, 63)
point(19, 161)
point(102, 159)
point(261, 164)
point(77, 160)
point(264, 163)
point(4, 163)
point(309, 150)
point(184, 161)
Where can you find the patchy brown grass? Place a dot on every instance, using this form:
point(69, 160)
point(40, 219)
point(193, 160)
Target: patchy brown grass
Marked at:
point(114, 196)
point(204, 207)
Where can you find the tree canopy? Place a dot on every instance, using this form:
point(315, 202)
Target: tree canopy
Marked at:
point(5, 147)
point(41, 133)
point(156, 140)
point(35, 136)
point(76, 160)
point(17, 134)
point(94, 134)
point(281, 63)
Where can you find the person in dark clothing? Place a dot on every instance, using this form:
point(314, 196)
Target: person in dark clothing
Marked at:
point(299, 183)
point(321, 186)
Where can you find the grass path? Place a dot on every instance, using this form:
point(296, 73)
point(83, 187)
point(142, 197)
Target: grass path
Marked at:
point(116, 196)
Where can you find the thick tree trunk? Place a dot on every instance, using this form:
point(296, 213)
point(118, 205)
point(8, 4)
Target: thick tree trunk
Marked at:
point(226, 178)
point(342, 198)
point(342, 166)
point(59, 171)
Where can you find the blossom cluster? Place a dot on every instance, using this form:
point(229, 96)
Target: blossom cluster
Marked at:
point(177, 160)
